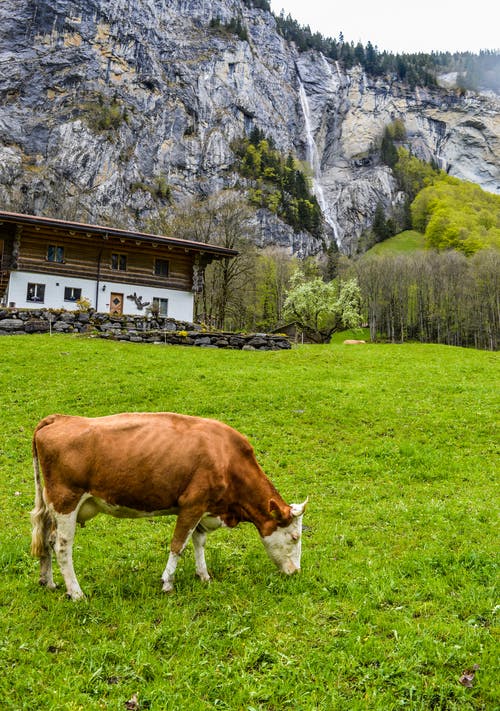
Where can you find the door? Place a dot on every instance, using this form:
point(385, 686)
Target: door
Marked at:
point(116, 304)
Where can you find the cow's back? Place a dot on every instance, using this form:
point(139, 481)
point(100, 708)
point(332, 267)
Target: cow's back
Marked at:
point(143, 461)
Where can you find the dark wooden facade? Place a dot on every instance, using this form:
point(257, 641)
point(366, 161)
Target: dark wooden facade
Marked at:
point(49, 248)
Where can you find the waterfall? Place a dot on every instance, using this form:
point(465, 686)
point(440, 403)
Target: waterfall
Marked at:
point(312, 157)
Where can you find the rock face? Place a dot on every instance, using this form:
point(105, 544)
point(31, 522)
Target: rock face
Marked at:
point(106, 106)
point(350, 111)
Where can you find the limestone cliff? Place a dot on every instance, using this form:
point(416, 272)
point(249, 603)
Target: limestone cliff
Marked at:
point(107, 105)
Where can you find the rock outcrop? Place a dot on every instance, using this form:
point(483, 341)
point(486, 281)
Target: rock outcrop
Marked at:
point(108, 108)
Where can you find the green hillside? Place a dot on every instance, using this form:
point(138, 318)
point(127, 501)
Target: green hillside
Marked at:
point(458, 215)
point(445, 213)
point(402, 243)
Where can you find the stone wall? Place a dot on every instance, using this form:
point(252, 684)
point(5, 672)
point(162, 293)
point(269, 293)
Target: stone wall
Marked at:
point(137, 329)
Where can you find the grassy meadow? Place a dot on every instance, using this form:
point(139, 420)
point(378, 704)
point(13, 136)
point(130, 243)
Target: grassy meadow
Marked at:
point(395, 446)
point(402, 243)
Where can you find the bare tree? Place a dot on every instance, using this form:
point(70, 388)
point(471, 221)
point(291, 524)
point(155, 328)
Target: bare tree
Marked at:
point(275, 267)
point(433, 297)
point(227, 279)
point(224, 219)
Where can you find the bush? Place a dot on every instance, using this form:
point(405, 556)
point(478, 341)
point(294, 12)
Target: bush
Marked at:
point(454, 214)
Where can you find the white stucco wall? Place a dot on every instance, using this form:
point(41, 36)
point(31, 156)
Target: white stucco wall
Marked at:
point(180, 303)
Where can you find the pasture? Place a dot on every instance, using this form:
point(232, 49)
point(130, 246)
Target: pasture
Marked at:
point(397, 449)
point(403, 243)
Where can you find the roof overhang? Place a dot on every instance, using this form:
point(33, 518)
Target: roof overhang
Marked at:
point(101, 231)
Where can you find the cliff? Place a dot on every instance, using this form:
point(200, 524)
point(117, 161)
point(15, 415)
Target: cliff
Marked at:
point(108, 108)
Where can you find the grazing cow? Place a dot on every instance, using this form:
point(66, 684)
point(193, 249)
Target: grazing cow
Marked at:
point(153, 464)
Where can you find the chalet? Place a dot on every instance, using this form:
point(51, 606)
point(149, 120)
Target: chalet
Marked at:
point(54, 263)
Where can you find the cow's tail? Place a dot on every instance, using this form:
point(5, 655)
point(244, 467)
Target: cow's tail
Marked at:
point(41, 519)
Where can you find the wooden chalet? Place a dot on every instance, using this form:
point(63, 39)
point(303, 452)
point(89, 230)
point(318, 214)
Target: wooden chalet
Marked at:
point(52, 263)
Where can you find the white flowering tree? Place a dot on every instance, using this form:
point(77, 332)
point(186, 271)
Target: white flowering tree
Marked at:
point(321, 308)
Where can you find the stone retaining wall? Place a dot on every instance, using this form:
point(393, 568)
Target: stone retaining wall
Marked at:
point(137, 329)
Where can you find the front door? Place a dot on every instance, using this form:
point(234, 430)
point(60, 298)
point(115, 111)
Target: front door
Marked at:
point(116, 304)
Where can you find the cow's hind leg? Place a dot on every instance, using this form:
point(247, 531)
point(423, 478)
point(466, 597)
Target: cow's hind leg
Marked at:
point(41, 543)
point(65, 534)
point(46, 575)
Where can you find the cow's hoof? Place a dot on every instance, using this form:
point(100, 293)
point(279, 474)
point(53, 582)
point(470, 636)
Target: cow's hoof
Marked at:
point(75, 596)
point(204, 577)
point(45, 584)
point(167, 588)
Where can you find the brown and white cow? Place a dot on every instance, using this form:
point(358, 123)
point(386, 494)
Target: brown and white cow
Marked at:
point(133, 465)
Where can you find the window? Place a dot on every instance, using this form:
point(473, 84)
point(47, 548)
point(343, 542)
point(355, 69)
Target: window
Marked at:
point(35, 292)
point(161, 267)
point(160, 306)
point(55, 253)
point(119, 262)
point(72, 294)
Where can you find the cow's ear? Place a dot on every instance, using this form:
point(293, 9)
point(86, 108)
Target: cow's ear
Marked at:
point(275, 509)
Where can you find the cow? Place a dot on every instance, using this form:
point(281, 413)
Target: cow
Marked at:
point(134, 465)
point(351, 342)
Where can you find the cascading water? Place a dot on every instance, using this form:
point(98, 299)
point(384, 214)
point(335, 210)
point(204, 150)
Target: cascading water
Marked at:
point(312, 157)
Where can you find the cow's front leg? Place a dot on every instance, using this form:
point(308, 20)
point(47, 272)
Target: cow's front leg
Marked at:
point(169, 572)
point(207, 524)
point(199, 538)
point(187, 520)
point(65, 534)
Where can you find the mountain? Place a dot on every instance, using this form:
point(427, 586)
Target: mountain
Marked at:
point(111, 108)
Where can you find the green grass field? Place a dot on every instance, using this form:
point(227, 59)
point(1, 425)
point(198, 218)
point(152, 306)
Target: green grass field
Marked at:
point(402, 243)
point(397, 449)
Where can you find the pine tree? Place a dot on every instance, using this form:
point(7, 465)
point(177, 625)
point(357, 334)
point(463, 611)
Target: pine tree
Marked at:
point(379, 226)
point(388, 151)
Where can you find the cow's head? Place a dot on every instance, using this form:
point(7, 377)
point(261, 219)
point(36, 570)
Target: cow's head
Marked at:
point(284, 544)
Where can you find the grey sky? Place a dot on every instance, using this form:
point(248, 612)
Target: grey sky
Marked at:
point(398, 26)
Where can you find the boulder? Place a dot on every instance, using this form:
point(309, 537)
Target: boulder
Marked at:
point(36, 325)
point(11, 324)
